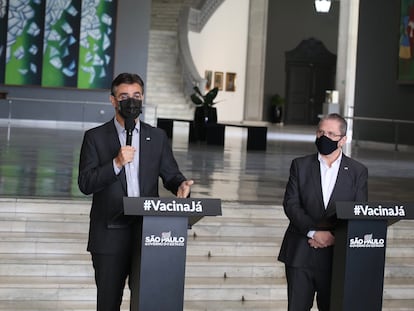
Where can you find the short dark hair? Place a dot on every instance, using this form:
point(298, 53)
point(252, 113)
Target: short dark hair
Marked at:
point(126, 78)
point(343, 125)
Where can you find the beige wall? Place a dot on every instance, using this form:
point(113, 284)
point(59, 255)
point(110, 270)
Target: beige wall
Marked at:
point(222, 46)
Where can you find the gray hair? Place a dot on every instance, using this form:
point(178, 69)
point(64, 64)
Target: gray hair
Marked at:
point(343, 125)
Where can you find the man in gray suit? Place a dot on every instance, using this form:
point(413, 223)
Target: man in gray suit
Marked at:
point(316, 182)
point(123, 157)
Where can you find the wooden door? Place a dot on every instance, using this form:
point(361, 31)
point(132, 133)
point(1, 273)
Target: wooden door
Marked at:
point(310, 71)
point(298, 97)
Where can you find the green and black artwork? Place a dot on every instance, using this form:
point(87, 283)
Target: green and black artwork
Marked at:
point(57, 43)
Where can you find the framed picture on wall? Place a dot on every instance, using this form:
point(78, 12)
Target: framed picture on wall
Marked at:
point(230, 82)
point(406, 43)
point(208, 75)
point(218, 80)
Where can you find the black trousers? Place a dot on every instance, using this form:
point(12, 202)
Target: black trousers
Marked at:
point(303, 283)
point(111, 272)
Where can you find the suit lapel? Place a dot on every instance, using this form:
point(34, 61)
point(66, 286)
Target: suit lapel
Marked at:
point(114, 146)
point(316, 176)
point(144, 153)
point(342, 174)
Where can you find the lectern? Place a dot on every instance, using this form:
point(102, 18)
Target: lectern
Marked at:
point(158, 265)
point(359, 252)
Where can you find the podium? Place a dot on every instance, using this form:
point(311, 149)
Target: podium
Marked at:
point(158, 264)
point(359, 252)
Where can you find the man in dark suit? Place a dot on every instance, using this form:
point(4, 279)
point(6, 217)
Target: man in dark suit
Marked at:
point(123, 157)
point(316, 182)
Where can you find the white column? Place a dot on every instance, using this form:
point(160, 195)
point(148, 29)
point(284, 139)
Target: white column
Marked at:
point(255, 62)
point(346, 63)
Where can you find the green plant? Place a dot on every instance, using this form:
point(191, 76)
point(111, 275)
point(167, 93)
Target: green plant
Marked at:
point(277, 100)
point(207, 100)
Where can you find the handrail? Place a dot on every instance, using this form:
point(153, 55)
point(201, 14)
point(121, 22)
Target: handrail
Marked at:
point(65, 101)
point(395, 122)
point(192, 19)
point(57, 101)
point(190, 75)
point(148, 115)
point(381, 120)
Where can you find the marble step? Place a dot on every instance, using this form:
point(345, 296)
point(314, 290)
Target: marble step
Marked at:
point(32, 222)
point(235, 228)
point(197, 266)
point(80, 265)
point(233, 255)
point(33, 218)
point(206, 305)
point(82, 207)
point(54, 264)
point(252, 221)
point(164, 13)
point(18, 205)
point(67, 243)
point(224, 289)
point(219, 226)
point(235, 210)
point(388, 305)
point(244, 225)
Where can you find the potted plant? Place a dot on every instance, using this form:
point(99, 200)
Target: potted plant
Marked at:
point(204, 113)
point(276, 104)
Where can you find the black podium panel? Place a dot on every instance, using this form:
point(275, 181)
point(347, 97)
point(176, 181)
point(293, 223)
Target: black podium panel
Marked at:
point(158, 265)
point(358, 267)
point(162, 265)
point(359, 252)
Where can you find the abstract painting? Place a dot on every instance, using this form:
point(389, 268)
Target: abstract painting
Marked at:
point(57, 43)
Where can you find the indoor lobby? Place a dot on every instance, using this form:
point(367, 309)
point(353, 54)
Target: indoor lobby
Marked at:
point(231, 259)
point(231, 262)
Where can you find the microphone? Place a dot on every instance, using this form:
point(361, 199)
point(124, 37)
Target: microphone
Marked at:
point(129, 127)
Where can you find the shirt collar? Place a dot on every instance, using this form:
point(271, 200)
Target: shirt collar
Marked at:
point(334, 163)
point(120, 129)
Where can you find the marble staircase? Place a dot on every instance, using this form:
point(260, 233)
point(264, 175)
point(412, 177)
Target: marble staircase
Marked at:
point(231, 259)
point(164, 87)
point(164, 82)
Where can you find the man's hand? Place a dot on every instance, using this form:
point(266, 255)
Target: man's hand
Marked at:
point(125, 155)
point(184, 189)
point(322, 239)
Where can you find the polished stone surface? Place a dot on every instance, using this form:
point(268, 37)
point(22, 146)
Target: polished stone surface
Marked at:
point(45, 265)
point(43, 162)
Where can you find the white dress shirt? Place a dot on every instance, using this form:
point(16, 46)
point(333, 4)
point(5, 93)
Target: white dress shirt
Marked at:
point(132, 168)
point(329, 174)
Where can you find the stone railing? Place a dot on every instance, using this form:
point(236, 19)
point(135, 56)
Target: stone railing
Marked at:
point(192, 19)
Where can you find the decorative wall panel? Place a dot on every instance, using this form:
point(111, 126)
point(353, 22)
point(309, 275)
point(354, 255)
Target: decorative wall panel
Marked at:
point(57, 43)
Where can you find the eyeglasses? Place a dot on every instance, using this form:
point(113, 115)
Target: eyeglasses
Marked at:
point(328, 134)
point(124, 96)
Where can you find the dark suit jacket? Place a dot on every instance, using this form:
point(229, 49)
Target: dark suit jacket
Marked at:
point(303, 205)
point(110, 231)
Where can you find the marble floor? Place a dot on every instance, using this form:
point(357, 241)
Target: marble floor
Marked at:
point(43, 162)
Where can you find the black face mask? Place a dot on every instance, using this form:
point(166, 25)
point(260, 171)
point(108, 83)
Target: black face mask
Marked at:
point(326, 145)
point(130, 108)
